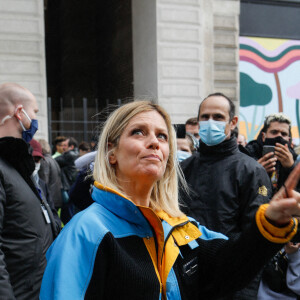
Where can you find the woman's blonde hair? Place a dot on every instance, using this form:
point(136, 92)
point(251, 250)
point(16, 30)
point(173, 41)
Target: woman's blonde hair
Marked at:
point(164, 195)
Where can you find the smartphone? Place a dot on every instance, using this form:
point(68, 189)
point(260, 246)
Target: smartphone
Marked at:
point(267, 149)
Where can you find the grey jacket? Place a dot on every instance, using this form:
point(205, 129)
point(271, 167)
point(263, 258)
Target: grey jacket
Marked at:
point(50, 173)
point(292, 280)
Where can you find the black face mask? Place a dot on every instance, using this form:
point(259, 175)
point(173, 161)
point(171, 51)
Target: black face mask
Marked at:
point(273, 141)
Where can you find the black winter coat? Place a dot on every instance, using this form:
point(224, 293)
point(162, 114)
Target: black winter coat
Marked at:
point(24, 234)
point(255, 149)
point(68, 169)
point(227, 187)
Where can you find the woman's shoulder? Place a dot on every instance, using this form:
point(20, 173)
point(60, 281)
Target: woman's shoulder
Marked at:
point(86, 226)
point(95, 222)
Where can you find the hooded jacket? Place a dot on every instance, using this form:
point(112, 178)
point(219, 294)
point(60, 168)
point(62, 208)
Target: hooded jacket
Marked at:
point(255, 149)
point(24, 233)
point(227, 187)
point(117, 250)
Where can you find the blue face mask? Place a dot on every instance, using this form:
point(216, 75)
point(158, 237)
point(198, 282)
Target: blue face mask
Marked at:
point(212, 132)
point(27, 134)
point(182, 155)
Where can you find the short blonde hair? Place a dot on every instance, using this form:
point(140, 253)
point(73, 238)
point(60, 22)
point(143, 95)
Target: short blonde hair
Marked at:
point(277, 117)
point(164, 195)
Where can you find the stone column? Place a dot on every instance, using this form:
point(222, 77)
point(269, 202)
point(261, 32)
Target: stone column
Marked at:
point(22, 51)
point(226, 48)
point(180, 57)
point(183, 50)
point(144, 32)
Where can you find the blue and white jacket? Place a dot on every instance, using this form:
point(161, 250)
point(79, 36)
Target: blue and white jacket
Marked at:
point(117, 250)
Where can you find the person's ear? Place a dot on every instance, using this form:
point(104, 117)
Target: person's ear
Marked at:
point(18, 111)
point(233, 122)
point(263, 136)
point(112, 157)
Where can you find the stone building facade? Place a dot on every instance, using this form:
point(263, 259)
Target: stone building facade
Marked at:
point(182, 51)
point(22, 51)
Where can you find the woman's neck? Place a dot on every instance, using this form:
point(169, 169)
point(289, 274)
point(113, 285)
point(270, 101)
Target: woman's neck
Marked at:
point(139, 193)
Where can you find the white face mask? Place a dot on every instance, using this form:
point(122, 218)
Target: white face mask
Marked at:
point(37, 166)
point(36, 169)
point(35, 174)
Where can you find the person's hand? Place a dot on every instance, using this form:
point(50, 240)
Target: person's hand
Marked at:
point(291, 248)
point(284, 155)
point(285, 204)
point(268, 161)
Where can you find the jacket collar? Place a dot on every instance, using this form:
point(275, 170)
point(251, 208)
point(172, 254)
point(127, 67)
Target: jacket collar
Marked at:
point(18, 153)
point(123, 207)
point(119, 205)
point(225, 148)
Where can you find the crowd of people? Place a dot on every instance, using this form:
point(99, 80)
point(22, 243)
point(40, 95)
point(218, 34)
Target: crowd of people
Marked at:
point(154, 211)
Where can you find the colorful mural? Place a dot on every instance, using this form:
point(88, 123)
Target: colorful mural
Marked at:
point(269, 83)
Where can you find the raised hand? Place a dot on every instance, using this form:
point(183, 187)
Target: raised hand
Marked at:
point(284, 155)
point(268, 161)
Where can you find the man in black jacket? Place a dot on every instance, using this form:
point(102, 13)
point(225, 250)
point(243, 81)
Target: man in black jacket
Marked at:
point(275, 136)
point(226, 186)
point(66, 161)
point(27, 225)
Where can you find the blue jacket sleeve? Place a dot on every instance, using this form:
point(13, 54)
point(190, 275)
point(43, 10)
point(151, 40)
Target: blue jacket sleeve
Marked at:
point(70, 259)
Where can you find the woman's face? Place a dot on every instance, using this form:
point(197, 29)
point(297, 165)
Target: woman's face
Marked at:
point(143, 149)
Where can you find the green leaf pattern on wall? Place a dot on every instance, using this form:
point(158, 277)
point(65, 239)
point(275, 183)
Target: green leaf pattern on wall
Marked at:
point(253, 93)
point(269, 72)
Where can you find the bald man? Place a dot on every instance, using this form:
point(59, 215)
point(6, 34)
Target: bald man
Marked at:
point(27, 226)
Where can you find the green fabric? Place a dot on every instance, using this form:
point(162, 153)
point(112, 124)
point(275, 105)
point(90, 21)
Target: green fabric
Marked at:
point(56, 154)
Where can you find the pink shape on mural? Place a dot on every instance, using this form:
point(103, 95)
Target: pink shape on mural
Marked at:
point(294, 91)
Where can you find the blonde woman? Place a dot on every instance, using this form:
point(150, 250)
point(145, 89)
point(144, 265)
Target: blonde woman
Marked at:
point(135, 243)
